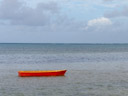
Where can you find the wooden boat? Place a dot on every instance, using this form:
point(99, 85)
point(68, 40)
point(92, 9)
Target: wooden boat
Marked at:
point(42, 73)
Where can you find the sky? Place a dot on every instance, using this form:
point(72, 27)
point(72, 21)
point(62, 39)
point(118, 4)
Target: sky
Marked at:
point(63, 21)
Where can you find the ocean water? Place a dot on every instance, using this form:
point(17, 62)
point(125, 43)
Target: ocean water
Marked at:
point(92, 69)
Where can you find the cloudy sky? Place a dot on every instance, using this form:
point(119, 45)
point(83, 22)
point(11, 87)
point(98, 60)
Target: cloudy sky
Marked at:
point(63, 21)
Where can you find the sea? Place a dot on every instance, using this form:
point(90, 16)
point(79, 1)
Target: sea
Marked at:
point(92, 69)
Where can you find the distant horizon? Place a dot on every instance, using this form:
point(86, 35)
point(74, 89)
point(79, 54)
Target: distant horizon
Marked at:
point(67, 43)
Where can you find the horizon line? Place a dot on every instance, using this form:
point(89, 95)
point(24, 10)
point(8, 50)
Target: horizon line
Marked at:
point(54, 43)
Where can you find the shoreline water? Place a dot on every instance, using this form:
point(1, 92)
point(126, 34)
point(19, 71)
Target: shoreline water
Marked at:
point(82, 82)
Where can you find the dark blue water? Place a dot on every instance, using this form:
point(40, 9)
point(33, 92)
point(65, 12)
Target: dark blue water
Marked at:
point(93, 69)
point(62, 53)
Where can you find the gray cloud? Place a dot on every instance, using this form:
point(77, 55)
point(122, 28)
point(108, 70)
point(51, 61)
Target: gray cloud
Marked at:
point(44, 17)
point(18, 13)
point(117, 13)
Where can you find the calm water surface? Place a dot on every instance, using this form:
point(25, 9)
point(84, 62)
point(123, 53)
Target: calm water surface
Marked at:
point(93, 69)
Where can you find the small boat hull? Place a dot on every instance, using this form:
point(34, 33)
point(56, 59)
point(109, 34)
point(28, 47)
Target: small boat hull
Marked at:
point(42, 73)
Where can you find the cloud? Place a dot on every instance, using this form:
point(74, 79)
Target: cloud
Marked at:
point(98, 23)
point(18, 13)
point(117, 13)
point(46, 16)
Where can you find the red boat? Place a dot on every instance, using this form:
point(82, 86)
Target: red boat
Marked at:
point(42, 73)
